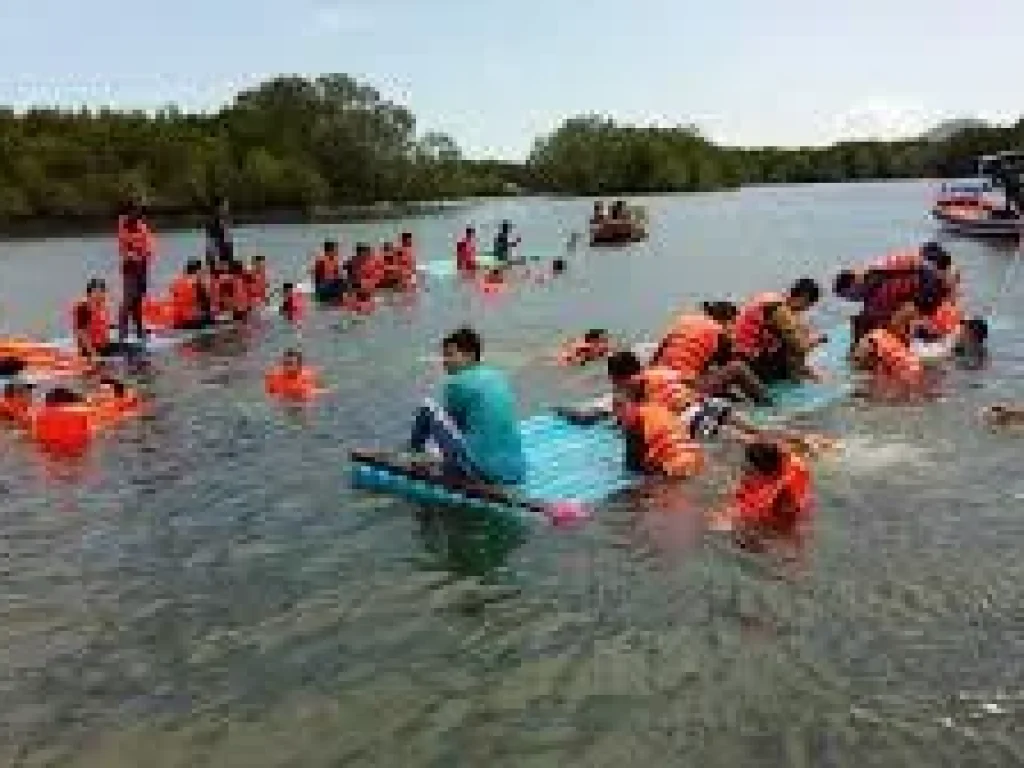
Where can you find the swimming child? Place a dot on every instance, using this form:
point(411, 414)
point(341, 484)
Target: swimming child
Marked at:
point(773, 496)
point(291, 379)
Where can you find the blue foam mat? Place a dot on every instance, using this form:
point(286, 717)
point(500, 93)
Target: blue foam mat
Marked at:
point(585, 463)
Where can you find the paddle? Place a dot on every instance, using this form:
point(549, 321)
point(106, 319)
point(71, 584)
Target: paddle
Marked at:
point(557, 513)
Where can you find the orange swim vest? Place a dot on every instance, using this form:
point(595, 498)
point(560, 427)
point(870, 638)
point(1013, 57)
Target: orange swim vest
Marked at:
point(655, 439)
point(945, 320)
point(757, 496)
point(279, 383)
point(752, 333)
point(894, 358)
point(690, 344)
point(63, 428)
point(98, 329)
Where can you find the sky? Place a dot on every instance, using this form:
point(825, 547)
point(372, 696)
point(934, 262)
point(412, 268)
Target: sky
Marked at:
point(495, 76)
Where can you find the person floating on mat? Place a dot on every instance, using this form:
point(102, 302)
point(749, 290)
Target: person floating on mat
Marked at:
point(702, 417)
point(475, 430)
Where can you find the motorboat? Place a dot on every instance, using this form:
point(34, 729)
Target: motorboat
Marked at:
point(971, 208)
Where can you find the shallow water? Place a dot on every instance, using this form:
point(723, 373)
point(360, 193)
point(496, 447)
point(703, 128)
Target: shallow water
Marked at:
point(204, 589)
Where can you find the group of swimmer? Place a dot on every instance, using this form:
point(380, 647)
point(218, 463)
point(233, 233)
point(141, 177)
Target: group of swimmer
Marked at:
point(710, 362)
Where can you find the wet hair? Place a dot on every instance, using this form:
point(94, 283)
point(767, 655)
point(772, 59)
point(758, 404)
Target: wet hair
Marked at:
point(292, 353)
point(928, 303)
point(623, 365)
point(236, 267)
point(978, 328)
point(258, 258)
point(471, 231)
point(764, 457)
point(11, 366)
point(722, 311)
point(937, 255)
point(558, 266)
point(844, 282)
point(114, 384)
point(330, 246)
point(595, 334)
point(62, 396)
point(362, 249)
point(288, 287)
point(806, 288)
point(193, 267)
point(18, 389)
point(95, 284)
point(406, 237)
point(467, 341)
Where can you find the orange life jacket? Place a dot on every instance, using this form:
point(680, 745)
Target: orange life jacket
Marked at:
point(16, 411)
point(945, 320)
point(361, 306)
point(325, 269)
point(108, 410)
point(293, 307)
point(690, 344)
point(98, 331)
point(184, 292)
point(894, 358)
point(230, 293)
point(373, 272)
point(752, 333)
point(757, 496)
point(63, 427)
point(655, 440)
point(134, 245)
point(291, 387)
point(257, 283)
point(157, 313)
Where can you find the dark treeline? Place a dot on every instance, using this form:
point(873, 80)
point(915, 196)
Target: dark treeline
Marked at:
point(299, 146)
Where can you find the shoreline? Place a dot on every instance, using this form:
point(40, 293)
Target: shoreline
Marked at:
point(85, 225)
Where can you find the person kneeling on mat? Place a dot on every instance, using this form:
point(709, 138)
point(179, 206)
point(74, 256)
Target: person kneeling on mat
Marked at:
point(655, 441)
point(476, 429)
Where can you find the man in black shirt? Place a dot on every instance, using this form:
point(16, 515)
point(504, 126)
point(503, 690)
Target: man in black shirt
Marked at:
point(219, 245)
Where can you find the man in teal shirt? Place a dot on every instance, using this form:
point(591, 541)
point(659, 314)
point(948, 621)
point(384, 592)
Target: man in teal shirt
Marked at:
point(477, 429)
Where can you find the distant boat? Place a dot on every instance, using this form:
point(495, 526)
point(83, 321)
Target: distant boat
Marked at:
point(970, 209)
point(629, 227)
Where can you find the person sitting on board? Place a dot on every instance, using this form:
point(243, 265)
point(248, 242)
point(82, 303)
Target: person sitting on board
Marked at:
point(655, 441)
point(886, 285)
point(770, 336)
point(466, 261)
point(476, 428)
point(91, 323)
point(328, 283)
point(16, 404)
point(888, 352)
point(595, 345)
point(773, 497)
point(504, 242)
point(699, 346)
point(292, 305)
point(406, 254)
point(184, 297)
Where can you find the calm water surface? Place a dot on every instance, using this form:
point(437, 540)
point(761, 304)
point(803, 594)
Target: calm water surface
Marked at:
point(204, 589)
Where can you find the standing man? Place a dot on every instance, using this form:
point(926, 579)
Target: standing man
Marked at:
point(135, 246)
point(219, 244)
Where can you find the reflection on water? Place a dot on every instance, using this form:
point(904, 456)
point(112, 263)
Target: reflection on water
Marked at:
point(204, 589)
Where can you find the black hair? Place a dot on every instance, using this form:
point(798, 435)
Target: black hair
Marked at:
point(595, 334)
point(465, 340)
point(928, 303)
point(96, 284)
point(844, 282)
point(12, 366)
point(937, 255)
point(470, 230)
point(558, 266)
point(115, 384)
point(330, 245)
point(722, 311)
point(623, 365)
point(193, 267)
point(764, 457)
point(293, 352)
point(288, 287)
point(62, 396)
point(16, 388)
point(236, 267)
point(978, 327)
point(806, 288)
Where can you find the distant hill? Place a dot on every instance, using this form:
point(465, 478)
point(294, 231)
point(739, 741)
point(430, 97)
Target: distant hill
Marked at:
point(950, 128)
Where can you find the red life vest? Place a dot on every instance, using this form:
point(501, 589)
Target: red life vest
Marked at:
point(752, 334)
point(690, 344)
